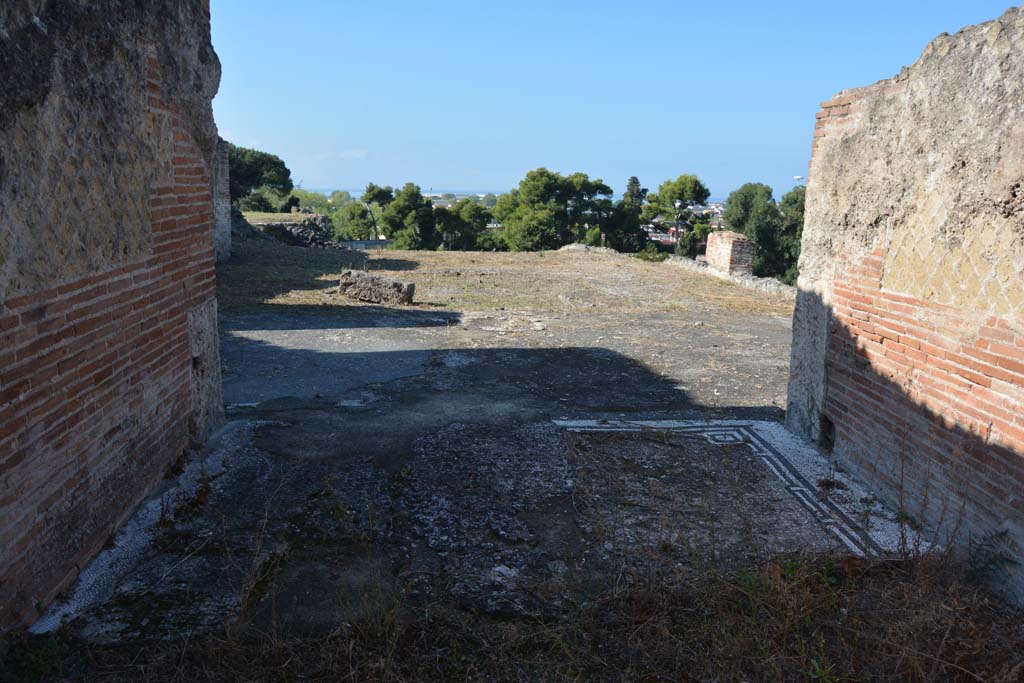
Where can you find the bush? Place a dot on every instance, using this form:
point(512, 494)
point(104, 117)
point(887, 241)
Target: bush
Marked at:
point(491, 241)
point(406, 239)
point(289, 204)
point(256, 202)
point(593, 237)
point(651, 253)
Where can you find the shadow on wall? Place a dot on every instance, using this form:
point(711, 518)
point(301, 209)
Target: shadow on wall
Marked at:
point(866, 402)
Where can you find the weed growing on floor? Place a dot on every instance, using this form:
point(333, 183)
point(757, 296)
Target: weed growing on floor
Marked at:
point(798, 618)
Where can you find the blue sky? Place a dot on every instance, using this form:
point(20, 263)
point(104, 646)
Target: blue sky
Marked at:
point(459, 95)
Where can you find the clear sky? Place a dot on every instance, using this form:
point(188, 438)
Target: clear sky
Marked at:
point(460, 95)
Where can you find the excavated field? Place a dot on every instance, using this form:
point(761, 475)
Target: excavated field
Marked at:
point(536, 433)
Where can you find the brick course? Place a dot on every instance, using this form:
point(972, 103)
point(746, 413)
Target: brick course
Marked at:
point(96, 385)
point(929, 402)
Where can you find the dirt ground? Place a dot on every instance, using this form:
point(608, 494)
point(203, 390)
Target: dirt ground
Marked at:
point(381, 462)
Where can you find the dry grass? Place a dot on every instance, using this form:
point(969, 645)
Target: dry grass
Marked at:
point(802, 619)
point(255, 217)
point(557, 282)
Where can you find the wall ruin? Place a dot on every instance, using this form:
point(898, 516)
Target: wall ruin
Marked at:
point(222, 202)
point(908, 335)
point(109, 366)
point(730, 252)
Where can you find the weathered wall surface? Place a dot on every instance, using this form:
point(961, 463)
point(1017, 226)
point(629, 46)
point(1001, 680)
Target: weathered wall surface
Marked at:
point(908, 341)
point(222, 202)
point(108, 353)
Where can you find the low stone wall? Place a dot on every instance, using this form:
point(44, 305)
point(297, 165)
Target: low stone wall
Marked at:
point(312, 230)
point(763, 284)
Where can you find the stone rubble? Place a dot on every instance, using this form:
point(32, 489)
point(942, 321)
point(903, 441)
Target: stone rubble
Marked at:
point(375, 289)
point(313, 231)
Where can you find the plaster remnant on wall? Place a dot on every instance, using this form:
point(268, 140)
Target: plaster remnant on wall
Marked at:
point(76, 151)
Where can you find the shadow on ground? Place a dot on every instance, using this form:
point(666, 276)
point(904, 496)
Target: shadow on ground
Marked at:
point(354, 484)
point(260, 271)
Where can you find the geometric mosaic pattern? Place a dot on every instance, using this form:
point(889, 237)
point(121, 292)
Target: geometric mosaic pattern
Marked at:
point(836, 518)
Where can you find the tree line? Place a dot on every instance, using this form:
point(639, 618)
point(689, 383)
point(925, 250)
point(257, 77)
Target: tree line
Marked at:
point(546, 210)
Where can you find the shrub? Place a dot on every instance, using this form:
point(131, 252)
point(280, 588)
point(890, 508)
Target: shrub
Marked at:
point(651, 253)
point(256, 202)
point(593, 237)
point(491, 241)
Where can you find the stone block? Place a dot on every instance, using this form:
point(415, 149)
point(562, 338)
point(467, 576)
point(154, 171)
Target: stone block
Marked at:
point(362, 286)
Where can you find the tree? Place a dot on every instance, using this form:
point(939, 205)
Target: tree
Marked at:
point(475, 218)
point(752, 211)
point(409, 219)
point(461, 226)
point(290, 202)
point(257, 202)
point(624, 231)
point(489, 200)
point(340, 198)
point(505, 206)
point(314, 201)
point(741, 203)
point(491, 241)
point(449, 225)
point(375, 194)
point(792, 208)
point(378, 196)
point(251, 169)
point(633, 198)
point(532, 229)
point(357, 221)
point(581, 197)
point(687, 189)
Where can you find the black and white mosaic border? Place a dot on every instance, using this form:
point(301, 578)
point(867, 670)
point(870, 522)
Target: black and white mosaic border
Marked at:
point(847, 512)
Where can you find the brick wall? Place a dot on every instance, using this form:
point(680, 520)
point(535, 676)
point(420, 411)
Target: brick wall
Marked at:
point(730, 252)
point(929, 402)
point(908, 334)
point(106, 380)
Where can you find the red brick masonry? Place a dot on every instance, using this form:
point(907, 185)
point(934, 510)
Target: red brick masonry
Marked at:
point(95, 380)
point(928, 402)
point(730, 252)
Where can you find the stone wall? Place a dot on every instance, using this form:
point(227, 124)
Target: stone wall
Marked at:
point(908, 335)
point(730, 252)
point(109, 366)
point(222, 202)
